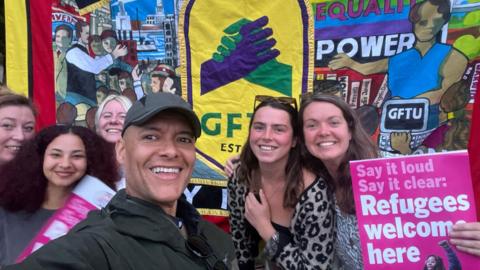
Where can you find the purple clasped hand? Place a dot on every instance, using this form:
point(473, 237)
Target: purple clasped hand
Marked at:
point(238, 55)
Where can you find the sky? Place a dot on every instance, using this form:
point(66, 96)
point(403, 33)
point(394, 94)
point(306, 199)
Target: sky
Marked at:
point(144, 7)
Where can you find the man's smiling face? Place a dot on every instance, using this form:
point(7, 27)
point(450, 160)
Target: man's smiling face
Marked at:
point(158, 158)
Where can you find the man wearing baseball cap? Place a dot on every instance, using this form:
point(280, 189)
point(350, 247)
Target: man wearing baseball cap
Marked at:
point(148, 225)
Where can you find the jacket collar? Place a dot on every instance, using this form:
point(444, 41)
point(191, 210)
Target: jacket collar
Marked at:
point(143, 219)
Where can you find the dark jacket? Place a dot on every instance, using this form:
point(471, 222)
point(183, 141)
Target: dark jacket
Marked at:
point(133, 234)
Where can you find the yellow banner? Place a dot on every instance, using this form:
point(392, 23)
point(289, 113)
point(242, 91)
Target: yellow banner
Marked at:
point(16, 46)
point(234, 50)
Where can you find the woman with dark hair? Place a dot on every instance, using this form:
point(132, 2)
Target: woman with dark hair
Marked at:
point(40, 178)
point(333, 136)
point(17, 123)
point(272, 197)
point(434, 262)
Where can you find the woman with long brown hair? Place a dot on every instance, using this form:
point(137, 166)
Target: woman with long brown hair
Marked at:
point(333, 137)
point(274, 198)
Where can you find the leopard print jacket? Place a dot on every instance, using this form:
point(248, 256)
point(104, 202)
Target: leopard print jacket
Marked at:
point(311, 245)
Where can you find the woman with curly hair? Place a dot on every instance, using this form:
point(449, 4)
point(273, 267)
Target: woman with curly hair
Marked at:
point(40, 178)
point(17, 123)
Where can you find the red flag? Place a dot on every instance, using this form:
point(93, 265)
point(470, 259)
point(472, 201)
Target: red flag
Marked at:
point(474, 149)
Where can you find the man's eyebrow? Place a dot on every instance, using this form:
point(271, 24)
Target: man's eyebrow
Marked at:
point(150, 127)
point(187, 132)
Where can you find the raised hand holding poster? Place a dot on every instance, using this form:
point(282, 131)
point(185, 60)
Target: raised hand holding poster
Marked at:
point(406, 206)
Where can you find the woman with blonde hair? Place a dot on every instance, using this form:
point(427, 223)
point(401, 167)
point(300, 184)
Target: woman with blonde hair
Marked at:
point(109, 120)
point(17, 123)
point(110, 116)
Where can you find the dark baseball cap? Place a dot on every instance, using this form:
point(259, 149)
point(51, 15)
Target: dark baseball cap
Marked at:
point(152, 104)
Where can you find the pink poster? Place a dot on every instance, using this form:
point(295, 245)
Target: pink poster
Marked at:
point(89, 194)
point(406, 206)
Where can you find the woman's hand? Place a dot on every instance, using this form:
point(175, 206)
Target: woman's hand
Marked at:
point(258, 214)
point(231, 165)
point(466, 237)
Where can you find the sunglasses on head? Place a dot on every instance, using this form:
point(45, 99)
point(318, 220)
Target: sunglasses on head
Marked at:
point(283, 100)
point(199, 247)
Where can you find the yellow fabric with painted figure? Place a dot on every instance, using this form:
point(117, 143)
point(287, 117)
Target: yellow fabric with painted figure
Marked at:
point(232, 51)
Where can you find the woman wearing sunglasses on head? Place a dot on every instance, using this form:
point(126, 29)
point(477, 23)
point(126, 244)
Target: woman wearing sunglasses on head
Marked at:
point(274, 198)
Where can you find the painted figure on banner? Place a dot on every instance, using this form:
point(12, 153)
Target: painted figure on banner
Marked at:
point(161, 79)
point(96, 46)
point(416, 80)
point(81, 67)
point(62, 41)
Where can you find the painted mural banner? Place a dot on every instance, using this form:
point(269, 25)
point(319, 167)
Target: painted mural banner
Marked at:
point(242, 49)
point(409, 67)
point(120, 47)
point(405, 207)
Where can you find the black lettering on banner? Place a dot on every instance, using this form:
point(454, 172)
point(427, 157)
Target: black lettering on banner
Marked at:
point(206, 196)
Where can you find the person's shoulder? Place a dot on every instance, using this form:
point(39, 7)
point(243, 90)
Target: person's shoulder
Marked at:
point(219, 240)
point(94, 222)
point(212, 231)
point(317, 190)
point(309, 177)
point(234, 180)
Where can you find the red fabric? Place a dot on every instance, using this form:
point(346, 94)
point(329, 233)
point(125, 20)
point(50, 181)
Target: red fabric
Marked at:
point(42, 66)
point(221, 222)
point(474, 149)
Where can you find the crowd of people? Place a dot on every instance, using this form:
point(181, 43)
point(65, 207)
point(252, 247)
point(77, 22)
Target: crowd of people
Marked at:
point(290, 190)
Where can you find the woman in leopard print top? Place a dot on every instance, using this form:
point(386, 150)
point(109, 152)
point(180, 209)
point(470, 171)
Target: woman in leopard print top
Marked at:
point(273, 198)
point(333, 136)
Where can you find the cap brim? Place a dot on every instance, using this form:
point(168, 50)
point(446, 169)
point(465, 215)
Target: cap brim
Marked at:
point(188, 114)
